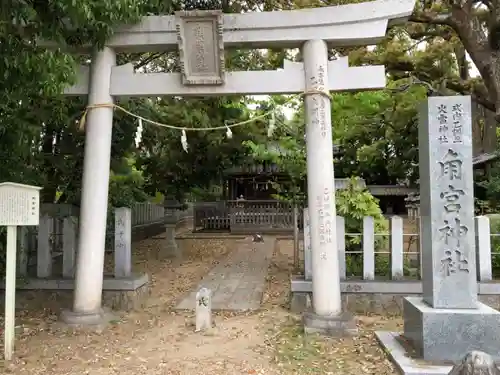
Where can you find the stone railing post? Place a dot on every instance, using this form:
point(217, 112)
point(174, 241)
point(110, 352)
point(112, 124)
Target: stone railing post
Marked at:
point(368, 248)
point(307, 246)
point(44, 248)
point(483, 248)
point(397, 244)
point(69, 230)
point(341, 247)
point(23, 250)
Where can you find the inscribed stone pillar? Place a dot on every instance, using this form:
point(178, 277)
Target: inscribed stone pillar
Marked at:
point(123, 242)
point(447, 204)
point(320, 181)
point(448, 321)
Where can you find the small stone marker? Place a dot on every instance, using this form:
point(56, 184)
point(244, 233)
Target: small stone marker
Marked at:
point(257, 238)
point(203, 310)
point(476, 363)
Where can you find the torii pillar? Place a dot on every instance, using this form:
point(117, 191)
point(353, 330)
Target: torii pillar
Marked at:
point(200, 37)
point(87, 303)
point(326, 316)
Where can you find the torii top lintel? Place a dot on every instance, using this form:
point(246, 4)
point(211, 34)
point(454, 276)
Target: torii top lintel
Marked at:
point(201, 37)
point(343, 25)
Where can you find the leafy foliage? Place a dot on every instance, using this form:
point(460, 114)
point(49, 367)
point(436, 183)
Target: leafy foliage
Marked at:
point(378, 132)
point(377, 129)
point(169, 168)
point(354, 203)
point(40, 143)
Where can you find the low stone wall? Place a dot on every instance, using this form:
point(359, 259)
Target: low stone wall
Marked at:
point(380, 304)
point(118, 300)
point(199, 241)
point(126, 300)
point(379, 297)
point(118, 294)
point(142, 232)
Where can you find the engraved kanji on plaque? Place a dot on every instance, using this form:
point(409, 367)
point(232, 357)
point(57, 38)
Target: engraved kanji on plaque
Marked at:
point(201, 47)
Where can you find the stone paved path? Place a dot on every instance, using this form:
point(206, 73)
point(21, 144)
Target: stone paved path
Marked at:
point(238, 282)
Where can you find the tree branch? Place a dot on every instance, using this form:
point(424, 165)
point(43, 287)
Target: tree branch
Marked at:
point(148, 59)
point(431, 18)
point(477, 93)
point(428, 34)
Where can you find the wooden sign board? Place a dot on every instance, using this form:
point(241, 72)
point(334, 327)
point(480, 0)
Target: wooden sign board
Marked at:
point(19, 204)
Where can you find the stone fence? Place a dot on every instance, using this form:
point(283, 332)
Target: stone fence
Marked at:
point(47, 253)
point(377, 269)
point(50, 248)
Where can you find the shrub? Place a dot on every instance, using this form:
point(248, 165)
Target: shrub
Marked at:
point(355, 203)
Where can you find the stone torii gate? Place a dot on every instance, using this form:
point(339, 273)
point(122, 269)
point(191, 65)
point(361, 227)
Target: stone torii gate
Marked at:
point(200, 37)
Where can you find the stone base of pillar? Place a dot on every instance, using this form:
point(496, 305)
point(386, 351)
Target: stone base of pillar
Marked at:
point(446, 335)
point(127, 300)
point(334, 326)
point(97, 320)
point(300, 302)
point(170, 248)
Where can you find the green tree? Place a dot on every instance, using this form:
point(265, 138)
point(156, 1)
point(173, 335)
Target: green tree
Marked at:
point(464, 28)
point(378, 133)
point(39, 140)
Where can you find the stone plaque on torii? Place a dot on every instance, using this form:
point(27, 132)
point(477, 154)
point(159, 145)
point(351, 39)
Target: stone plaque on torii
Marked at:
point(201, 37)
point(201, 48)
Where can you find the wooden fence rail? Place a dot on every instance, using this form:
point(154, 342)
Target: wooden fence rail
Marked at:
point(244, 216)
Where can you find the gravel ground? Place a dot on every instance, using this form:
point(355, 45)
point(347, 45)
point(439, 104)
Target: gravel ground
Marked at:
point(160, 341)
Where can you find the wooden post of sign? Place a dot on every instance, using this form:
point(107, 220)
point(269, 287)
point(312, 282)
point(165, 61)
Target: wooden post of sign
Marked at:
point(10, 292)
